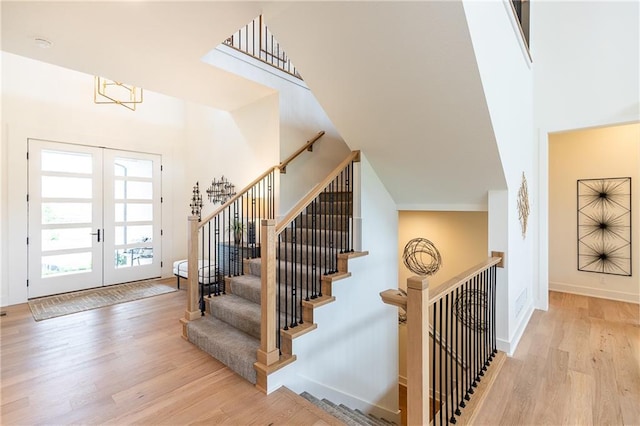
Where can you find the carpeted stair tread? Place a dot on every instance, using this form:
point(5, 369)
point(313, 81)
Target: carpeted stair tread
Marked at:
point(331, 409)
point(246, 286)
point(236, 311)
point(232, 347)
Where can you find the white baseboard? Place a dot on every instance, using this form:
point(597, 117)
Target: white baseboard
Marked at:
point(334, 395)
point(595, 292)
point(509, 347)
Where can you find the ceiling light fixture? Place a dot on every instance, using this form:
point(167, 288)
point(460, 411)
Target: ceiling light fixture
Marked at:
point(113, 92)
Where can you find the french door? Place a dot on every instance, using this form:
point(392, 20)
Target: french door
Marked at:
point(94, 217)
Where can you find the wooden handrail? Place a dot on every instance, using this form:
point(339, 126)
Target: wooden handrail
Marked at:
point(455, 282)
point(307, 146)
point(235, 197)
point(295, 211)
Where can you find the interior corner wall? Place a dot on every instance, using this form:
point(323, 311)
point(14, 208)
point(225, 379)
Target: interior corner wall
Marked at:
point(300, 118)
point(606, 152)
point(238, 145)
point(52, 103)
point(461, 239)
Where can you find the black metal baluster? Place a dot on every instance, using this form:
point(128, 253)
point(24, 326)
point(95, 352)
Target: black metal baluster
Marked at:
point(294, 273)
point(434, 325)
point(286, 281)
point(493, 308)
point(279, 293)
point(438, 335)
point(456, 351)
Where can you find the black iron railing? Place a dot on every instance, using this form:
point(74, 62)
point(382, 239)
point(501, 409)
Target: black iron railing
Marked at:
point(308, 243)
point(463, 321)
point(256, 40)
point(232, 234)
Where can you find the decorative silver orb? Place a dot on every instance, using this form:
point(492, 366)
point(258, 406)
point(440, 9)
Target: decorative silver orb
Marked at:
point(421, 257)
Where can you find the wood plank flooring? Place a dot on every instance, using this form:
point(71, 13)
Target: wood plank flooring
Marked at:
point(576, 364)
point(127, 364)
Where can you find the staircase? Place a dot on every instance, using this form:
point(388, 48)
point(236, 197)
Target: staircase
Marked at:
point(231, 329)
point(345, 414)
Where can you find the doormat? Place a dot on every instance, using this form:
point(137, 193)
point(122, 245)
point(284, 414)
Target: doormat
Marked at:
point(69, 303)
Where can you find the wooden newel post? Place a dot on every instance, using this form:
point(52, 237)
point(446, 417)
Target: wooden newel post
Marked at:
point(268, 353)
point(193, 310)
point(417, 351)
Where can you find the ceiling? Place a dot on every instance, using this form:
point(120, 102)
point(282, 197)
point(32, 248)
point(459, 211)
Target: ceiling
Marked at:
point(154, 45)
point(399, 80)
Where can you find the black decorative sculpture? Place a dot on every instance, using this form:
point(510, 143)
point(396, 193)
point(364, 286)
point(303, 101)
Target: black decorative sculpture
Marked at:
point(604, 226)
point(196, 202)
point(421, 257)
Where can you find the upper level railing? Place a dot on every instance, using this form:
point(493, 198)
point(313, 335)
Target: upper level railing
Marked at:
point(460, 318)
point(256, 40)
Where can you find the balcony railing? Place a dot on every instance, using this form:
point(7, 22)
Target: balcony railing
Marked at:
point(256, 40)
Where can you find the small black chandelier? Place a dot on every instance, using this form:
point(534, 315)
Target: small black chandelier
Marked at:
point(196, 202)
point(221, 190)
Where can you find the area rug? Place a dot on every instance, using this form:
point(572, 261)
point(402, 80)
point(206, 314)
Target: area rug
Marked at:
point(69, 303)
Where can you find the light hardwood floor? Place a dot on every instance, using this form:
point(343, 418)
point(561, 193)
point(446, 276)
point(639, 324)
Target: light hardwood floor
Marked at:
point(127, 364)
point(576, 364)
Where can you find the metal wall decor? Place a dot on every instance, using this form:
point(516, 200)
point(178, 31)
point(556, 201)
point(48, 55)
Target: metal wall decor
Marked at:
point(421, 257)
point(196, 202)
point(221, 190)
point(470, 308)
point(523, 205)
point(107, 91)
point(604, 226)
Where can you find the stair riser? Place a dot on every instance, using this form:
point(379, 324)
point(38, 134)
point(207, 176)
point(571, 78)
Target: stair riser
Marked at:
point(317, 238)
point(338, 207)
point(331, 223)
point(301, 274)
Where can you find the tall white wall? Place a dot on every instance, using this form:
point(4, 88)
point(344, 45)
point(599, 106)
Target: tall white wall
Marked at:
point(301, 117)
point(505, 70)
point(52, 103)
point(239, 145)
point(196, 143)
point(352, 357)
point(586, 67)
point(590, 154)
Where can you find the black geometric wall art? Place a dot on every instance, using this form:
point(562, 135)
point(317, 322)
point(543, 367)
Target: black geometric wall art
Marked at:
point(604, 226)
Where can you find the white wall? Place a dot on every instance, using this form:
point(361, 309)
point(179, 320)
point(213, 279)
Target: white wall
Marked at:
point(301, 118)
point(52, 103)
point(507, 79)
point(586, 59)
point(352, 357)
point(196, 142)
point(590, 154)
point(239, 145)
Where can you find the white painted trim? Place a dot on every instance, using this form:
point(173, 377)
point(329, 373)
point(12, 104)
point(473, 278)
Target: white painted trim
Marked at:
point(444, 207)
point(248, 59)
point(595, 292)
point(321, 391)
point(509, 347)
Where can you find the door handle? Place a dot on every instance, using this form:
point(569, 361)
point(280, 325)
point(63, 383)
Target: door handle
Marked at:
point(96, 233)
